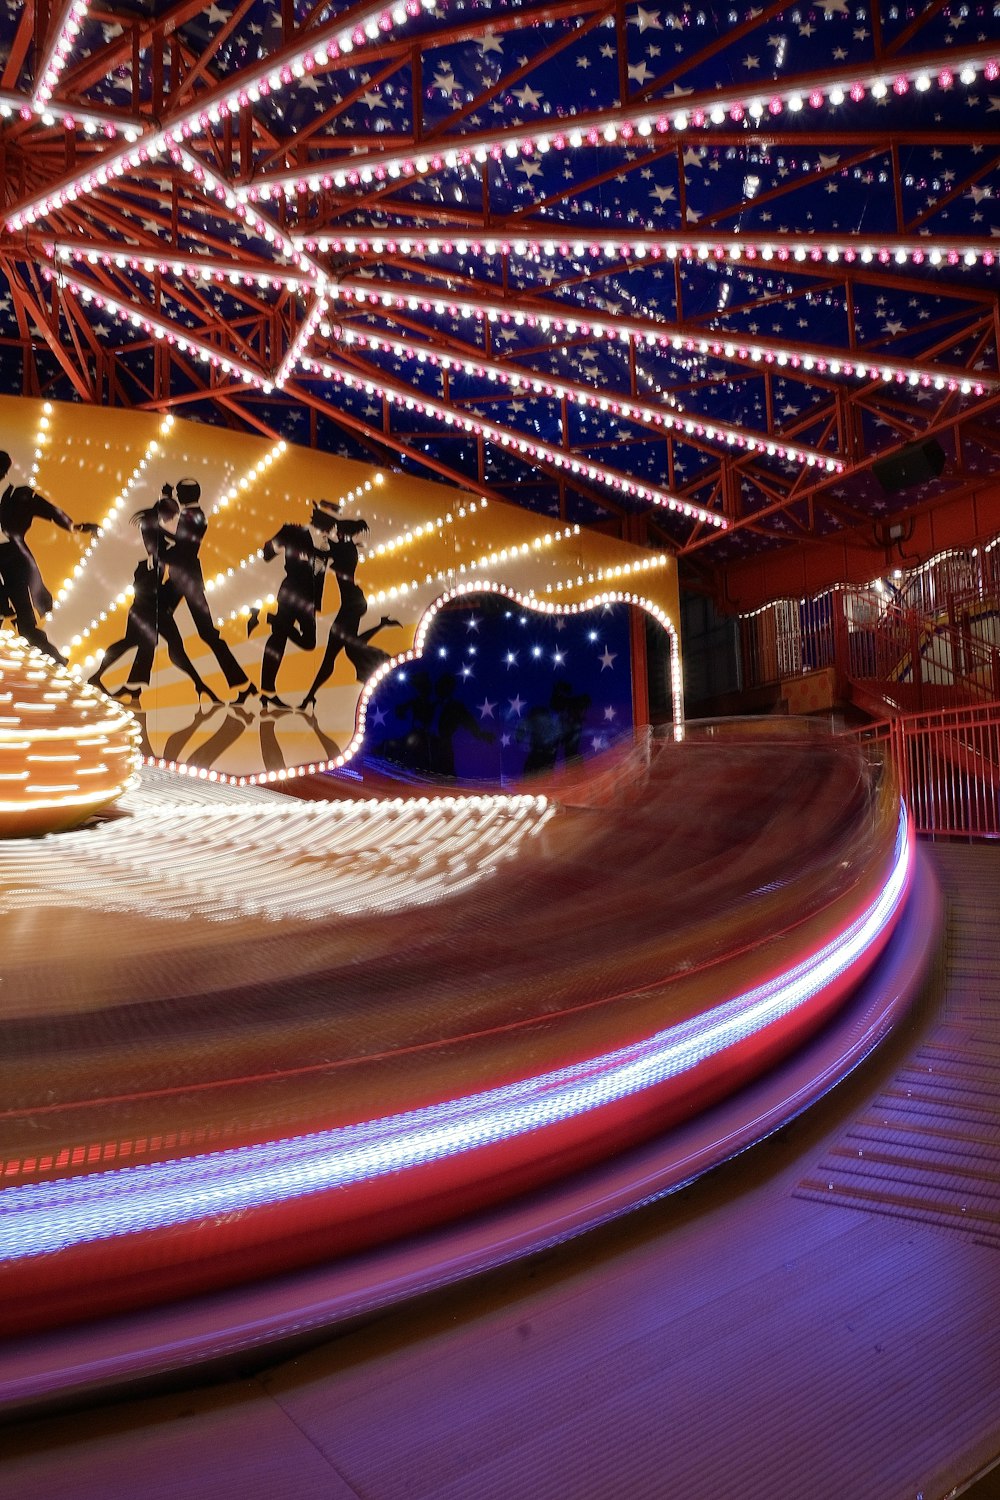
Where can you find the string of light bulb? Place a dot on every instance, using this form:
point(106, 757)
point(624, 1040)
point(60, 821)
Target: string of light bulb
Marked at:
point(63, 35)
point(69, 583)
point(755, 350)
point(674, 420)
point(326, 44)
point(516, 442)
point(789, 250)
point(632, 127)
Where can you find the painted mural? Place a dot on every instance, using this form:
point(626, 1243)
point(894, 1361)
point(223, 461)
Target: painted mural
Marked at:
point(501, 692)
point(243, 597)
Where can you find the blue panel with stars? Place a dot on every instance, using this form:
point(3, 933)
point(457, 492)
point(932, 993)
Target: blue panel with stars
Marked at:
point(502, 692)
point(603, 187)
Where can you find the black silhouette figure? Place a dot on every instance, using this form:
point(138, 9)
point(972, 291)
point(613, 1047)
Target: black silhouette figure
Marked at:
point(571, 710)
point(414, 749)
point(540, 731)
point(329, 747)
point(22, 590)
point(343, 560)
point(554, 732)
point(453, 715)
point(150, 616)
point(306, 551)
point(185, 581)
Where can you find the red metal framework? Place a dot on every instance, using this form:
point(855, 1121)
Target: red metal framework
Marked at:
point(389, 219)
point(922, 641)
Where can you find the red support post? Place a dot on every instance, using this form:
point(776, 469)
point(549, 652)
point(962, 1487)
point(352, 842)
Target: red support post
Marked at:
point(916, 663)
point(639, 664)
point(841, 644)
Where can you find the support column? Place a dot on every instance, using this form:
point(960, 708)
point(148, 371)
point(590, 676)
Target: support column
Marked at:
point(636, 530)
point(639, 664)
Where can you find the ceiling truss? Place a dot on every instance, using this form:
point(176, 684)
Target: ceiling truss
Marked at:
point(490, 298)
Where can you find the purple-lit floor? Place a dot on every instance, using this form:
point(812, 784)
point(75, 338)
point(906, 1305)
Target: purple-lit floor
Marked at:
point(820, 1317)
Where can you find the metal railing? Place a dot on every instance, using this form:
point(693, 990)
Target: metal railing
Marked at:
point(906, 660)
point(948, 767)
point(792, 636)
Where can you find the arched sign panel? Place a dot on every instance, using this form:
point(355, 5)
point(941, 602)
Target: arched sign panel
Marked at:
point(246, 598)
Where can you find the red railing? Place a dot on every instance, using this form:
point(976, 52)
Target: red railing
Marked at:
point(948, 766)
point(923, 664)
point(952, 580)
point(902, 661)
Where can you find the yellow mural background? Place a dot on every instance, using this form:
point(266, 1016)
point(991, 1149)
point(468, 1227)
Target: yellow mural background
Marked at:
point(426, 538)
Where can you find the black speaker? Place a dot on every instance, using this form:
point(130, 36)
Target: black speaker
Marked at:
point(910, 466)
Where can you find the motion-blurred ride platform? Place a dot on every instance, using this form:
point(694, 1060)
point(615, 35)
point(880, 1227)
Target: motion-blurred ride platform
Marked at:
point(398, 1038)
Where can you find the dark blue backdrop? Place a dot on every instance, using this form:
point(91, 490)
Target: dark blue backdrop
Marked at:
point(502, 690)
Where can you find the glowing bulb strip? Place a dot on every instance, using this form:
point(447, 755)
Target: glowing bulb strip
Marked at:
point(644, 125)
point(158, 328)
point(613, 573)
point(876, 586)
point(300, 342)
point(387, 548)
point(249, 478)
point(57, 53)
point(573, 321)
point(117, 505)
point(217, 187)
point(516, 443)
point(792, 252)
point(41, 1218)
point(130, 158)
point(196, 268)
point(788, 250)
point(530, 382)
point(41, 442)
point(92, 121)
point(326, 44)
point(422, 529)
point(121, 601)
point(514, 551)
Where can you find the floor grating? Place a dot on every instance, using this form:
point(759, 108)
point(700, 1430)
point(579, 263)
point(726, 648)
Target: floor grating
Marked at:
point(928, 1147)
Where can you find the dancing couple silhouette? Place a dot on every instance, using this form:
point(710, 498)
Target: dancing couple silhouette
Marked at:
point(172, 531)
point(326, 545)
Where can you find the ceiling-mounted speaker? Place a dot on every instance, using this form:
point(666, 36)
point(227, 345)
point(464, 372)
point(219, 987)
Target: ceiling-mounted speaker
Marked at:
point(910, 466)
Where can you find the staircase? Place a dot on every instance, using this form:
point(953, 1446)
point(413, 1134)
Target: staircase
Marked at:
point(911, 663)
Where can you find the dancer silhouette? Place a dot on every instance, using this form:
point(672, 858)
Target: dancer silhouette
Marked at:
point(22, 590)
point(306, 552)
point(185, 581)
point(343, 559)
point(453, 715)
point(149, 617)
